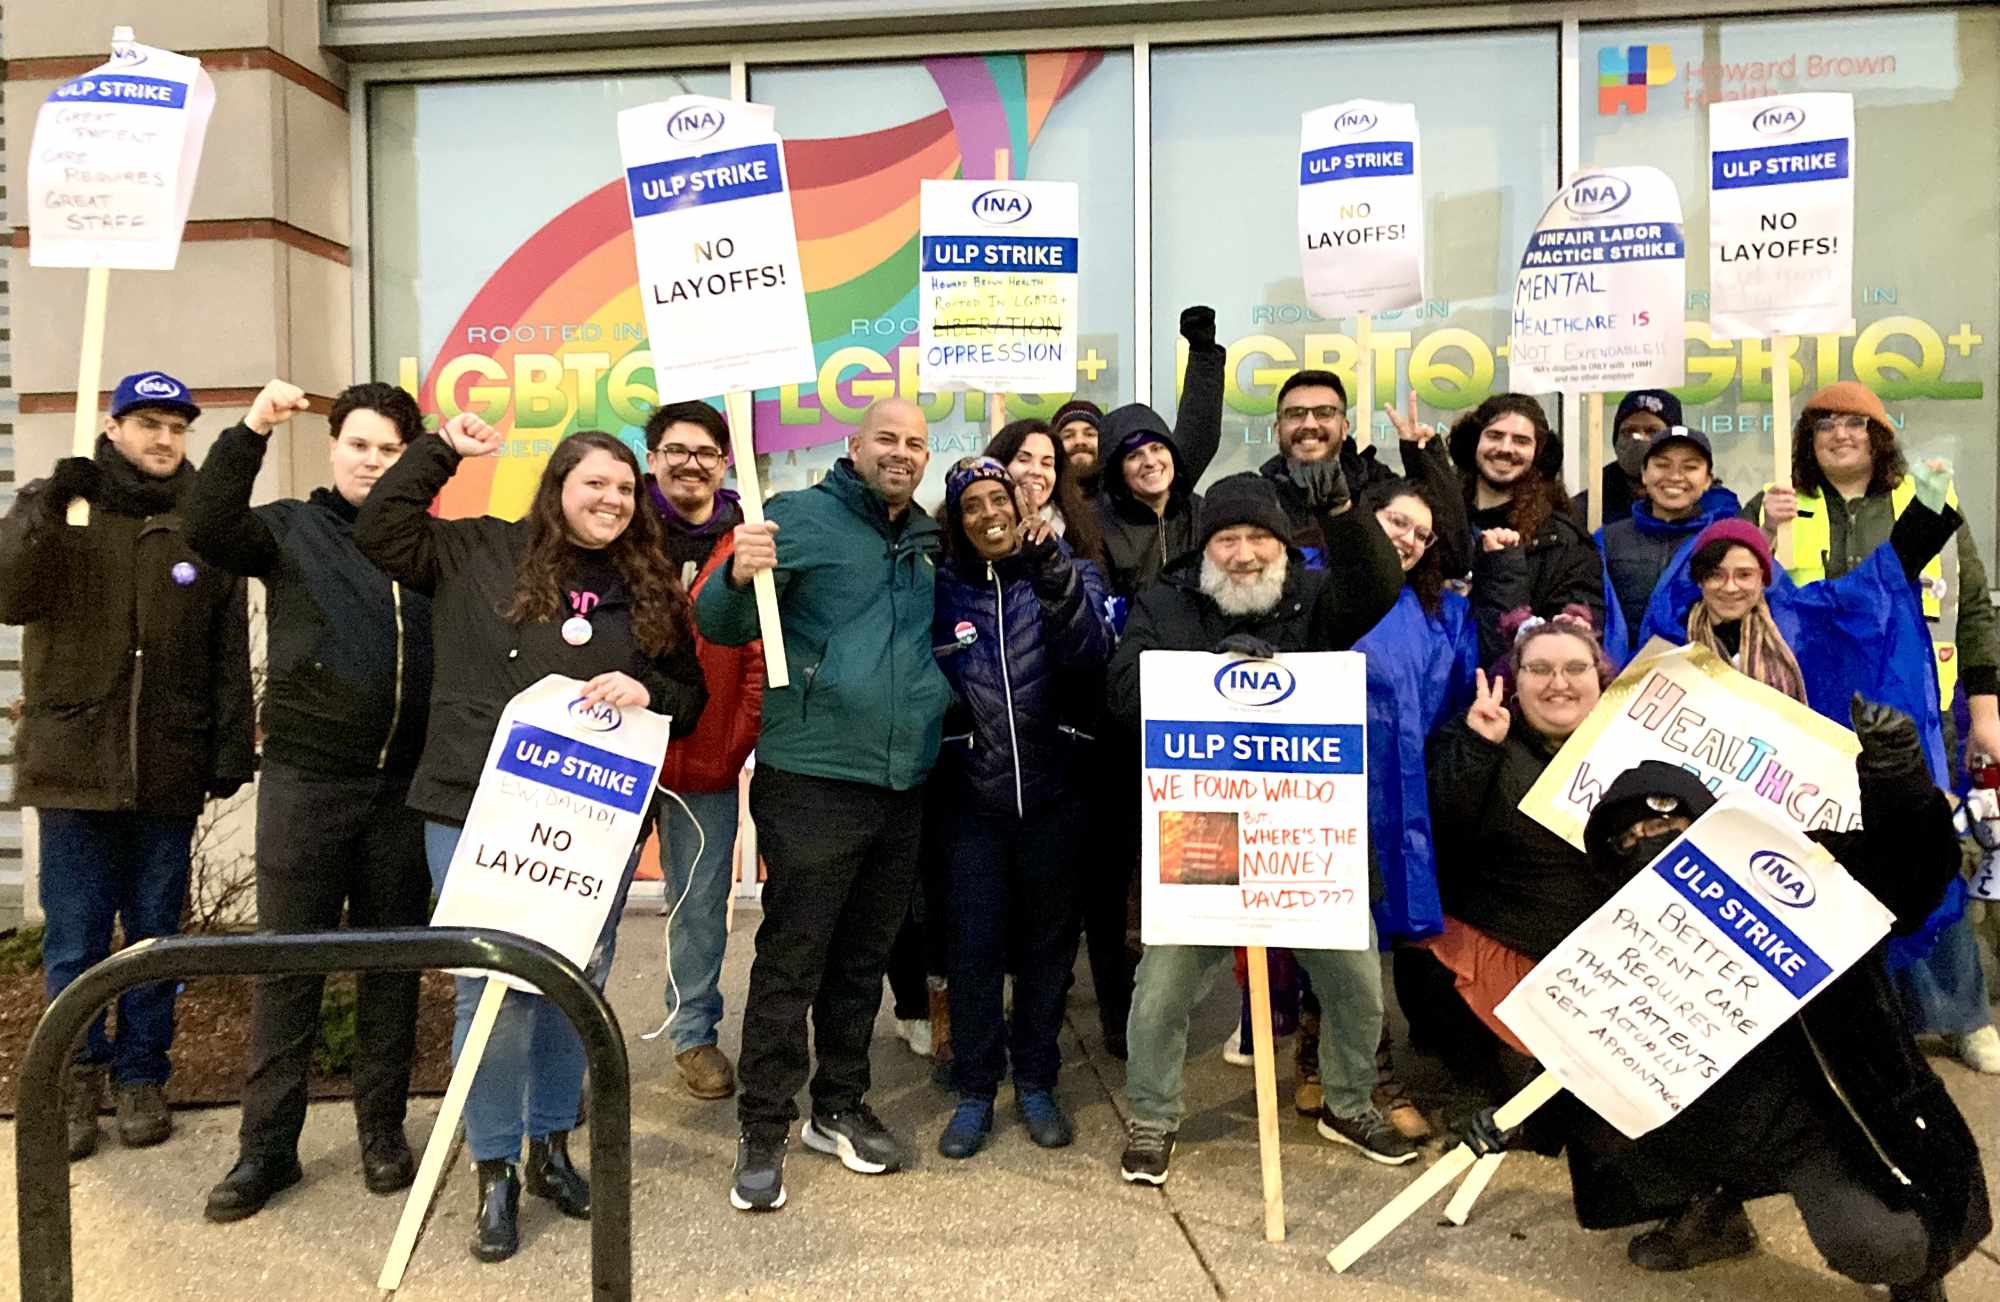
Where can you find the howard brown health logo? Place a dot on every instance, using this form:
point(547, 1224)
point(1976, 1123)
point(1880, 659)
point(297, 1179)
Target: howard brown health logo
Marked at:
point(1625, 73)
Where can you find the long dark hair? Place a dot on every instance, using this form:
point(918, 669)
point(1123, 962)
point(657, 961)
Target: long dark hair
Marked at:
point(1539, 492)
point(1883, 451)
point(1426, 577)
point(660, 609)
point(1080, 531)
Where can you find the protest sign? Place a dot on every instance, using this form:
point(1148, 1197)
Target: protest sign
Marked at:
point(1256, 800)
point(1361, 208)
point(1706, 951)
point(1600, 302)
point(1685, 706)
point(997, 289)
point(1781, 216)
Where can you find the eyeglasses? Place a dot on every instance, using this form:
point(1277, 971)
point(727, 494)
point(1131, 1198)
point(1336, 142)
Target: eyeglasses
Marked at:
point(1324, 415)
point(1575, 671)
point(679, 455)
point(1844, 424)
point(1403, 525)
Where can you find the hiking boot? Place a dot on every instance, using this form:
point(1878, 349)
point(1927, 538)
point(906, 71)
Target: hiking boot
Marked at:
point(1047, 1125)
point(83, 1099)
point(143, 1119)
point(965, 1134)
point(1371, 1133)
point(1711, 1228)
point(1392, 1101)
point(858, 1138)
point(760, 1172)
point(387, 1164)
point(496, 1231)
point(1149, 1147)
point(249, 1185)
point(549, 1174)
point(706, 1072)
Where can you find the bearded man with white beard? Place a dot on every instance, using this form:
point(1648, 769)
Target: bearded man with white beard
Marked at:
point(1245, 592)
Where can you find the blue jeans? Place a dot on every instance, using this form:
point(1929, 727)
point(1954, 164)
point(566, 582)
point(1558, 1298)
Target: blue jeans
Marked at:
point(101, 865)
point(531, 1079)
point(1944, 992)
point(698, 894)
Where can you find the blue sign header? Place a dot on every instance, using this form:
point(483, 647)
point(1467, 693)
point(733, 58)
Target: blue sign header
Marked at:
point(1804, 160)
point(1255, 747)
point(1353, 161)
point(577, 767)
point(706, 178)
point(123, 88)
point(1050, 253)
point(1775, 947)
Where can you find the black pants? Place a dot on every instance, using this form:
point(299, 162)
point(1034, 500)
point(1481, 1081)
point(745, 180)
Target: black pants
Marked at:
point(919, 951)
point(1858, 1233)
point(843, 861)
point(324, 842)
point(1013, 904)
point(1108, 884)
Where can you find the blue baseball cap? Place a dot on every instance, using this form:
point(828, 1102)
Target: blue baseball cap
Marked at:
point(152, 389)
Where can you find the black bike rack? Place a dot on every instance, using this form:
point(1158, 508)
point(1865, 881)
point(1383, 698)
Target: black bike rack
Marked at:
point(41, 1160)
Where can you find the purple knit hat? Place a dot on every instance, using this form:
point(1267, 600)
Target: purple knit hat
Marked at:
point(1741, 533)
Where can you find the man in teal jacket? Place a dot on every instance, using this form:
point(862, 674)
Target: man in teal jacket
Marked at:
point(837, 795)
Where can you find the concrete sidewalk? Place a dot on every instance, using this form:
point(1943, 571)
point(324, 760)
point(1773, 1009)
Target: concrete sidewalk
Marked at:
point(1014, 1222)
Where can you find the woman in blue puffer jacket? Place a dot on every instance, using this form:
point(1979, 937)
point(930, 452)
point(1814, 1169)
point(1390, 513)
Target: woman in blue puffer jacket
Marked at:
point(1020, 633)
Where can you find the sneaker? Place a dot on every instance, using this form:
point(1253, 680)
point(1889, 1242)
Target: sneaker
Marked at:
point(83, 1099)
point(915, 1032)
point(760, 1172)
point(965, 1134)
point(1371, 1133)
point(1043, 1116)
point(1979, 1050)
point(1236, 1050)
point(858, 1138)
point(1149, 1146)
point(1711, 1228)
point(143, 1119)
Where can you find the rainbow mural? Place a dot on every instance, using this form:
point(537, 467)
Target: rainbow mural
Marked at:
point(855, 203)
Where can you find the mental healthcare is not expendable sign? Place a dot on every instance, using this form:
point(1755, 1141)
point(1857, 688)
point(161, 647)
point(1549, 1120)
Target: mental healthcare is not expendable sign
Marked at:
point(997, 288)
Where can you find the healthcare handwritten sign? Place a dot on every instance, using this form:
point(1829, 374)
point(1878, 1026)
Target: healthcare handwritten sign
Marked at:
point(1781, 216)
point(112, 167)
point(1685, 706)
point(997, 286)
point(560, 804)
point(1719, 941)
point(1600, 301)
point(717, 249)
point(1361, 208)
point(1256, 800)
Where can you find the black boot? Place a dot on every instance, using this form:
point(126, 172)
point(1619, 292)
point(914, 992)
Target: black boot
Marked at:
point(1711, 1228)
point(550, 1175)
point(497, 1234)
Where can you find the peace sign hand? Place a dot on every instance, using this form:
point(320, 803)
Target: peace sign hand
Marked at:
point(1489, 717)
point(1408, 428)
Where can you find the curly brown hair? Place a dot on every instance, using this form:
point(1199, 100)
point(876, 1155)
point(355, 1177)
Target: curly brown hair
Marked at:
point(1883, 451)
point(660, 607)
point(1539, 492)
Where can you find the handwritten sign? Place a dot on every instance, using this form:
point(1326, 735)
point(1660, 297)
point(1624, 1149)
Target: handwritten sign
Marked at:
point(997, 294)
point(560, 804)
point(1256, 800)
point(1781, 216)
point(1685, 706)
point(1361, 208)
point(1705, 952)
point(111, 170)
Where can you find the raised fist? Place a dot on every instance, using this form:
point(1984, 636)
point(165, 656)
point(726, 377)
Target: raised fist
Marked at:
point(276, 403)
point(470, 436)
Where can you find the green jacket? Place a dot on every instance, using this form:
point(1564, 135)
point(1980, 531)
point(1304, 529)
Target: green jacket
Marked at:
point(866, 700)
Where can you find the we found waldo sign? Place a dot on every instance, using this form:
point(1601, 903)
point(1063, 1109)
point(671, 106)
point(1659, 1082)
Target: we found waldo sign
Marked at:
point(1255, 812)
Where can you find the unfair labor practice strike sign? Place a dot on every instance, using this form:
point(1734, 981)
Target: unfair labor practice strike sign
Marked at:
point(1781, 216)
point(1361, 208)
point(1698, 958)
point(997, 294)
point(560, 804)
point(1600, 303)
point(112, 166)
point(717, 250)
point(1256, 800)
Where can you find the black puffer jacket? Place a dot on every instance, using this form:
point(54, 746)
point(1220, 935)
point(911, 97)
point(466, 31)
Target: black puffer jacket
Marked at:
point(349, 648)
point(468, 568)
point(1139, 542)
point(1558, 567)
point(1364, 469)
point(135, 656)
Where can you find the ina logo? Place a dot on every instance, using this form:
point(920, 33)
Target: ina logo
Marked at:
point(1624, 73)
point(1592, 196)
point(1353, 123)
point(601, 717)
point(1254, 682)
point(157, 386)
point(1001, 207)
point(691, 124)
point(1778, 120)
point(1778, 878)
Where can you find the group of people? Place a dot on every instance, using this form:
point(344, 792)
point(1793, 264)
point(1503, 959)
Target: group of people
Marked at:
point(946, 791)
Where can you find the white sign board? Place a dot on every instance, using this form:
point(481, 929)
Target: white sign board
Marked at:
point(1781, 216)
point(112, 167)
point(1698, 958)
point(560, 804)
point(997, 298)
point(718, 254)
point(1361, 208)
point(1601, 301)
point(1255, 804)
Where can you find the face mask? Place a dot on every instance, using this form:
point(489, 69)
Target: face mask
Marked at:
point(1627, 863)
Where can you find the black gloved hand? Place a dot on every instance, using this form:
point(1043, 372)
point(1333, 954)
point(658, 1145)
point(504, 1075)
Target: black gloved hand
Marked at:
point(1324, 483)
point(1049, 571)
point(72, 478)
point(1246, 644)
point(1198, 326)
point(1482, 1134)
point(1889, 739)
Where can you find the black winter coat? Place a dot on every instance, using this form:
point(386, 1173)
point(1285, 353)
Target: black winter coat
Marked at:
point(1364, 470)
point(1138, 543)
point(1558, 567)
point(136, 684)
point(468, 568)
point(349, 684)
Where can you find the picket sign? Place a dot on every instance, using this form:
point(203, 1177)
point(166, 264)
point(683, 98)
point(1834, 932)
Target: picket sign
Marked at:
point(561, 801)
point(110, 175)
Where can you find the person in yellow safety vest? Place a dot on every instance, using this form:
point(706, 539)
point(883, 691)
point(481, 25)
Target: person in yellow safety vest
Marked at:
point(1849, 483)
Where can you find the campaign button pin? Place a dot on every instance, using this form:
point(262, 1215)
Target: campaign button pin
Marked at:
point(576, 630)
point(965, 633)
point(183, 573)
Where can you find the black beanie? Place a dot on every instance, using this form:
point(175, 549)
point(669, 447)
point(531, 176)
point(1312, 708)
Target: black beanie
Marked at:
point(1625, 801)
point(1246, 498)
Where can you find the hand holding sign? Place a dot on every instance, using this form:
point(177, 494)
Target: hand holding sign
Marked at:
point(620, 691)
point(470, 436)
point(276, 403)
point(756, 551)
point(1781, 506)
point(1489, 716)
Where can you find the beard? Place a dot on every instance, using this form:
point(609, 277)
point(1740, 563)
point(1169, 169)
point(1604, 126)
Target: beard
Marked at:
point(1237, 597)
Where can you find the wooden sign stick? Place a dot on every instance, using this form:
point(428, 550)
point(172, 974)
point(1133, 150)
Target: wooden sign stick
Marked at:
point(89, 374)
point(1266, 1072)
point(996, 403)
point(1781, 435)
point(1593, 459)
point(742, 449)
point(1364, 381)
point(1459, 1209)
